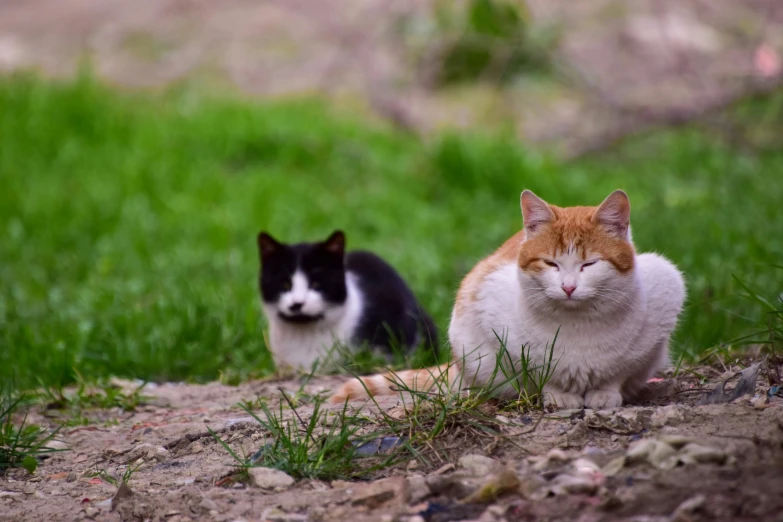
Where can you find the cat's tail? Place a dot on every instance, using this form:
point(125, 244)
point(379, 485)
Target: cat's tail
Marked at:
point(436, 379)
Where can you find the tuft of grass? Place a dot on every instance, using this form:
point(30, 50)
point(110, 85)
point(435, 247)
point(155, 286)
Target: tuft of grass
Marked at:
point(771, 335)
point(116, 481)
point(101, 395)
point(324, 446)
point(21, 444)
point(453, 410)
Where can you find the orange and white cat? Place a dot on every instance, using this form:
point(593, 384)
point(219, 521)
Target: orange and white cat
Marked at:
point(572, 273)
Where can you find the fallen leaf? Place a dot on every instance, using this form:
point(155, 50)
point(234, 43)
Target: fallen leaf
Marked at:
point(58, 476)
point(95, 480)
point(745, 386)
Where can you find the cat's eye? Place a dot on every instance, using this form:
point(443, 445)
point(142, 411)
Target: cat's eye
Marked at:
point(315, 285)
point(590, 263)
point(287, 286)
point(550, 263)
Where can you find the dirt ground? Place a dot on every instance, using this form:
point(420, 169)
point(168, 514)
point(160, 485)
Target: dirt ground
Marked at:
point(674, 460)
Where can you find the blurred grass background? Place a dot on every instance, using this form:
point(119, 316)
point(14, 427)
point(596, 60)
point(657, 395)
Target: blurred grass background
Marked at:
point(128, 220)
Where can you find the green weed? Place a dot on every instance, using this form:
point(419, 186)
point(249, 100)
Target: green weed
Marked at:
point(101, 395)
point(323, 446)
point(21, 444)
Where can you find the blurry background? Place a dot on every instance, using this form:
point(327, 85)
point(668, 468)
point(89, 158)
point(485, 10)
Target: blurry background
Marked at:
point(144, 144)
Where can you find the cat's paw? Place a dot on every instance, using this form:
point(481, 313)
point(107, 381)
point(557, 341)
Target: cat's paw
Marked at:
point(563, 400)
point(602, 399)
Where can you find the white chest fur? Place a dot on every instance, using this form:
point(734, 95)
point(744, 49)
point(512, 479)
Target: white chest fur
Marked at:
point(615, 346)
point(300, 345)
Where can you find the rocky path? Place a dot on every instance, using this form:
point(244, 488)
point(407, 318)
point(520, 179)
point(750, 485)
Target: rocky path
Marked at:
point(676, 461)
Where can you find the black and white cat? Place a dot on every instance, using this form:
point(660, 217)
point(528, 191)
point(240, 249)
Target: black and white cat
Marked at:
point(314, 296)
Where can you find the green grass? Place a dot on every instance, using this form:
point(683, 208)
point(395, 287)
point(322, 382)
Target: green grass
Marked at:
point(128, 221)
point(21, 443)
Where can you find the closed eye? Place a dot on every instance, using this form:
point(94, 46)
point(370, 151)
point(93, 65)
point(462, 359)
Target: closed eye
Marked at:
point(591, 263)
point(549, 263)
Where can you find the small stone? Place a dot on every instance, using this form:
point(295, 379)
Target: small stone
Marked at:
point(614, 466)
point(412, 465)
point(270, 478)
point(554, 455)
point(451, 486)
point(479, 465)
point(657, 453)
point(668, 415)
point(208, 504)
point(56, 445)
point(557, 455)
point(760, 403)
point(381, 492)
point(196, 447)
point(504, 482)
point(696, 453)
point(418, 489)
point(674, 440)
point(575, 485)
point(146, 452)
point(576, 436)
point(91, 512)
point(687, 508)
point(586, 467)
point(276, 515)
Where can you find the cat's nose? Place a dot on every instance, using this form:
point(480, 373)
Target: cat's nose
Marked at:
point(568, 289)
point(295, 307)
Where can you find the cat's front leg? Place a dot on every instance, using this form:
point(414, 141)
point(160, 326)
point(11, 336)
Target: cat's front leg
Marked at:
point(562, 399)
point(606, 397)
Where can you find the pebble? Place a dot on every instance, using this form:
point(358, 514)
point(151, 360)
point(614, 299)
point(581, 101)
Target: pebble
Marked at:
point(276, 515)
point(57, 445)
point(504, 482)
point(418, 489)
point(147, 452)
point(687, 508)
point(573, 485)
point(270, 478)
point(208, 504)
point(479, 465)
point(668, 415)
point(586, 467)
point(381, 492)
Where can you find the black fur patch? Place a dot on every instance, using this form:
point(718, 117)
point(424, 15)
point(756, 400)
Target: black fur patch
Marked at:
point(391, 315)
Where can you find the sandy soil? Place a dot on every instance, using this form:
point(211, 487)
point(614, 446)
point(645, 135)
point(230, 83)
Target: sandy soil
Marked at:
point(564, 469)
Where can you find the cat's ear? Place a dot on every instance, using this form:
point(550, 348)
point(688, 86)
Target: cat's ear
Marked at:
point(267, 245)
point(614, 214)
point(535, 211)
point(335, 244)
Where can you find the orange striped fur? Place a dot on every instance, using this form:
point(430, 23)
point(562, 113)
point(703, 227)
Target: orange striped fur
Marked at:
point(434, 378)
